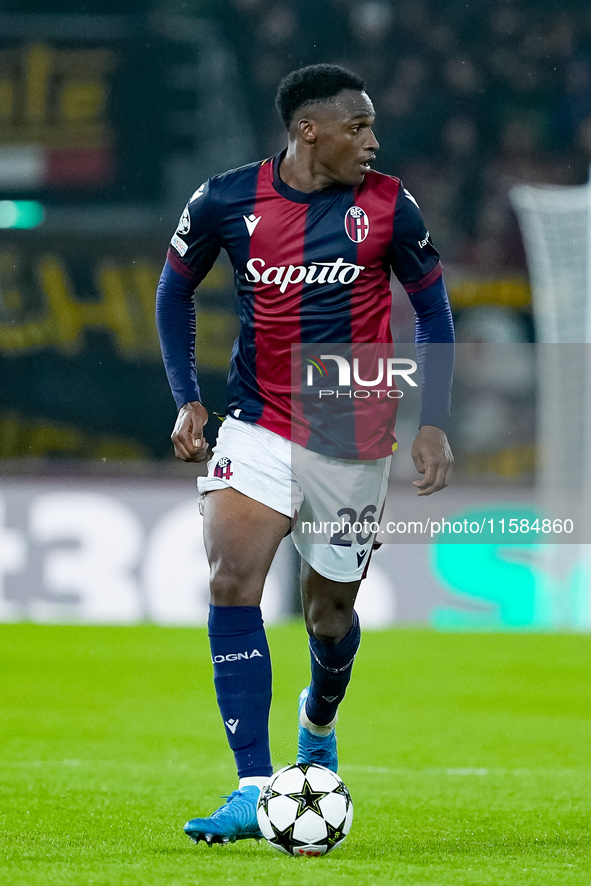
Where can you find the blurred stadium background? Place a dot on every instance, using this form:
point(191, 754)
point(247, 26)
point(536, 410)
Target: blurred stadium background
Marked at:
point(110, 116)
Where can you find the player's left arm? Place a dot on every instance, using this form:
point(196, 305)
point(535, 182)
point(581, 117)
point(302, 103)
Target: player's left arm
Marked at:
point(416, 263)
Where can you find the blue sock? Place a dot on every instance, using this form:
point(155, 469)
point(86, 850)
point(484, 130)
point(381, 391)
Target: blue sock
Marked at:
point(242, 677)
point(331, 672)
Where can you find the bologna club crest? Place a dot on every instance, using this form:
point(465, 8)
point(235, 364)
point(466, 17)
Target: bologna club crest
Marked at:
point(223, 469)
point(356, 224)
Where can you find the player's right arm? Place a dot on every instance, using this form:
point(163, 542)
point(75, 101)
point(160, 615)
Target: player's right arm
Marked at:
point(193, 250)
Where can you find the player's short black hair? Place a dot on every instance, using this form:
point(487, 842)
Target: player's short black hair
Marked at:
point(313, 84)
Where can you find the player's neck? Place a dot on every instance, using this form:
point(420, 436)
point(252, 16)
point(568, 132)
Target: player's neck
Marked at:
point(296, 170)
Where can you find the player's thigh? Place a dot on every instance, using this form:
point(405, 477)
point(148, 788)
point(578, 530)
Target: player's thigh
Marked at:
point(241, 537)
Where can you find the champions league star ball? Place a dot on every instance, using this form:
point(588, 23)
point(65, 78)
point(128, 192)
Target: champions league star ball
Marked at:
point(305, 810)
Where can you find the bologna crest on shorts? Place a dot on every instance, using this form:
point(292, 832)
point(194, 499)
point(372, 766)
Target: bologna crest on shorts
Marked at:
point(223, 469)
point(356, 224)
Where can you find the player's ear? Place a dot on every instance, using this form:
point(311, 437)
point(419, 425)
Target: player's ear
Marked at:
point(307, 130)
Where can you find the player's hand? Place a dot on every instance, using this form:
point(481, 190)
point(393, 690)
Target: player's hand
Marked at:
point(433, 457)
point(187, 435)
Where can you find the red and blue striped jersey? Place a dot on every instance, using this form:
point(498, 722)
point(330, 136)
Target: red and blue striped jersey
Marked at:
point(309, 268)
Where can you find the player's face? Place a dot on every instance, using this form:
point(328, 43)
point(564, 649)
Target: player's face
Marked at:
point(345, 144)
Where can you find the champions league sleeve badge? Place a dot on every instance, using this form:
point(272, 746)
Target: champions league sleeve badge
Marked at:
point(184, 222)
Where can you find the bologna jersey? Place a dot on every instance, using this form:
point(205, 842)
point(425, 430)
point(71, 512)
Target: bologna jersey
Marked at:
point(309, 268)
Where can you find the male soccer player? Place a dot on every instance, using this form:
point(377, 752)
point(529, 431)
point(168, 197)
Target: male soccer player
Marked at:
point(313, 234)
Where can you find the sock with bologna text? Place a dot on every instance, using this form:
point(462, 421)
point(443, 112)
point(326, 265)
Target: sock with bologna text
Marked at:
point(242, 677)
point(331, 672)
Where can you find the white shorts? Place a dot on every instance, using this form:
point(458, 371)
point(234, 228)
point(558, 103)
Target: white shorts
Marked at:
point(335, 503)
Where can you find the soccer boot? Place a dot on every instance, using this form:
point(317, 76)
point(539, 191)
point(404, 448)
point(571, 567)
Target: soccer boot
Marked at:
point(235, 820)
point(312, 748)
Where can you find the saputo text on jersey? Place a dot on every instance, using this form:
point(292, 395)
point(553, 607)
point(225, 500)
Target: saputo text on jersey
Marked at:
point(318, 272)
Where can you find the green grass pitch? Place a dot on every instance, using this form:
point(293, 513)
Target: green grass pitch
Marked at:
point(468, 757)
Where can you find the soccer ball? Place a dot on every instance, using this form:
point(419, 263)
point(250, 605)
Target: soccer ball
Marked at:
point(305, 810)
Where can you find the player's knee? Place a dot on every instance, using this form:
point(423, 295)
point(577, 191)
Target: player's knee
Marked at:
point(229, 587)
point(329, 625)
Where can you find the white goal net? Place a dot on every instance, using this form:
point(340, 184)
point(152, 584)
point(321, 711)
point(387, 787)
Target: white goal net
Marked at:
point(555, 223)
point(556, 226)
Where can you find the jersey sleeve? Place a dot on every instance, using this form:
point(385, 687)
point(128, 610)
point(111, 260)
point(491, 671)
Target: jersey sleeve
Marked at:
point(434, 338)
point(412, 256)
point(415, 261)
point(195, 244)
point(193, 250)
point(175, 320)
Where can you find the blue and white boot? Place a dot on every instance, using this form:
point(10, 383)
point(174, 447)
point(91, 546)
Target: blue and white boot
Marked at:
point(316, 744)
point(235, 820)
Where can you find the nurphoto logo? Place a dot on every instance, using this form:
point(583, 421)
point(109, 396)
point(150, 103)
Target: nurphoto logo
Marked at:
point(382, 372)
